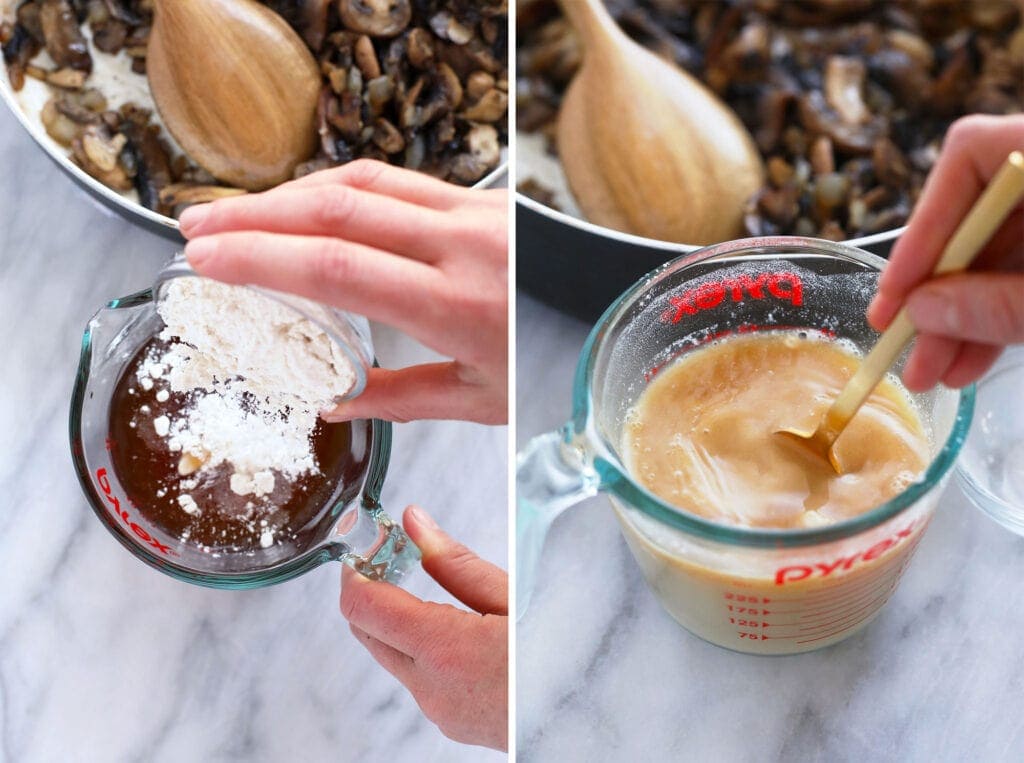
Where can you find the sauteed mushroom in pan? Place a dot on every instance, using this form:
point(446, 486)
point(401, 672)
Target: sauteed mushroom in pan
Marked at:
point(418, 83)
point(847, 100)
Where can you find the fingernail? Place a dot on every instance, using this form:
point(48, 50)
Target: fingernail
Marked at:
point(199, 251)
point(423, 518)
point(932, 312)
point(193, 217)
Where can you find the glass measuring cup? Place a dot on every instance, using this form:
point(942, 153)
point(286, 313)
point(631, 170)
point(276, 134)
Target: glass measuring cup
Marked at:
point(350, 527)
point(765, 591)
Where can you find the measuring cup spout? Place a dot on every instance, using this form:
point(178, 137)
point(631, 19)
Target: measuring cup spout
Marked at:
point(553, 472)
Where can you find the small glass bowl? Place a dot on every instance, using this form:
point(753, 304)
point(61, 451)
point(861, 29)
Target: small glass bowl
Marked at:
point(991, 468)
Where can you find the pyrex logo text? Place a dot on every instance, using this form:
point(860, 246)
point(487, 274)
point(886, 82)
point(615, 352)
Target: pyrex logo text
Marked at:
point(787, 286)
point(823, 569)
point(104, 483)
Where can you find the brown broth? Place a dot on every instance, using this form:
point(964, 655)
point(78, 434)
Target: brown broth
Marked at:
point(226, 522)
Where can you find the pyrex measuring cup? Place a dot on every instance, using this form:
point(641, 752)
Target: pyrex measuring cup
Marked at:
point(766, 591)
point(350, 527)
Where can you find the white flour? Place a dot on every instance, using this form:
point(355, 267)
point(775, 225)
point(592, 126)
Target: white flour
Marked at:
point(258, 374)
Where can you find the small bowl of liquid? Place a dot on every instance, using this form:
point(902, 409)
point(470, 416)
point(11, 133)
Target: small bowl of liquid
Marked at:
point(991, 468)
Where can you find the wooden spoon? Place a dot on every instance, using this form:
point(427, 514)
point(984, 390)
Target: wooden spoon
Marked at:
point(646, 148)
point(985, 217)
point(236, 87)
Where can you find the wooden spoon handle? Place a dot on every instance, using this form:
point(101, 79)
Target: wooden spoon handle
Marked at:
point(591, 21)
point(985, 217)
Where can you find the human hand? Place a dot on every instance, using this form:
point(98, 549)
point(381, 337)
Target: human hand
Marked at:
point(453, 662)
point(397, 246)
point(963, 320)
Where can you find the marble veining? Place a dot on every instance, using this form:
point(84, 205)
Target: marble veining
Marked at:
point(605, 674)
point(103, 659)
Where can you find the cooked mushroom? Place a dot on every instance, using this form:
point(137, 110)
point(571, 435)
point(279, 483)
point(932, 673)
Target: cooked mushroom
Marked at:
point(844, 88)
point(847, 99)
point(484, 153)
point(387, 137)
point(64, 39)
point(178, 196)
point(148, 155)
point(19, 48)
point(403, 82)
point(489, 108)
point(97, 151)
point(377, 18)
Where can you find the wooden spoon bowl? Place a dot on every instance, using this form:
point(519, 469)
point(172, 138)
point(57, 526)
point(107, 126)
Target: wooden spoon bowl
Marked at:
point(236, 87)
point(646, 148)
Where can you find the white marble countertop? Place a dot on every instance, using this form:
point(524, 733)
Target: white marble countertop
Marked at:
point(104, 659)
point(605, 674)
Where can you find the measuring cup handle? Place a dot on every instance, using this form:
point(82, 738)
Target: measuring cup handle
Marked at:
point(375, 545)
point(552, 474)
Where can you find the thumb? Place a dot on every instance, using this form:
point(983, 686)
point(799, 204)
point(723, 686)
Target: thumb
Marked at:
point(979, 307)
point(476, 583)
point(427, 391)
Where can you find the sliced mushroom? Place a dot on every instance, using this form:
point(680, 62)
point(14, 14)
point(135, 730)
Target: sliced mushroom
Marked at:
point(150, 157)
point(19, 49)
point(64, 39)
point(69, 79)
point(490, 108)
point(387, 137)
point(378, 94)
point(420, 48)
point(447, 27)
point(844, 88)
point(97, 151)
point(483, 155)
point(478, 83)
point(377, 18)
point(366, 58)
point(186, 194)
point(58, 126)
point(345, 115)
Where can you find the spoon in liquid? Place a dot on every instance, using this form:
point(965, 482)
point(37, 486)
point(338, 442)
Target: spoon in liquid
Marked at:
point(646, 148)
point(1002, 194)
point(236, 87)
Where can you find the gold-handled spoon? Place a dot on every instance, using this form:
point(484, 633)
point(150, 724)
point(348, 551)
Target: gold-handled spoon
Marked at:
point(236, 87)
point(985, 217)
point(646, 148)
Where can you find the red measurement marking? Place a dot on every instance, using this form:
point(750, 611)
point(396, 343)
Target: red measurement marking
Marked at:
point(824, 569)
point(125, 517)
point(875, 603)
point(842, 589)
point(851, 602)
point(845, 628)
point(784, 286)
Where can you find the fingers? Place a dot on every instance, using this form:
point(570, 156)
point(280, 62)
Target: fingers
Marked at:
point(978, 307)
point(329, 270)
point(427, 391)
point(973, 151)
point(1003, 253)
point(476, 583)
point(335, 210)
point(929, 360)
point(398, 664)
point(382, 178)
point(391, 614)
point(971, 364)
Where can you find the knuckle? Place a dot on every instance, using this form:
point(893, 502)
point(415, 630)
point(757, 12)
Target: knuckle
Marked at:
point(334, 208)
point(362, 173)
point(328, 266)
